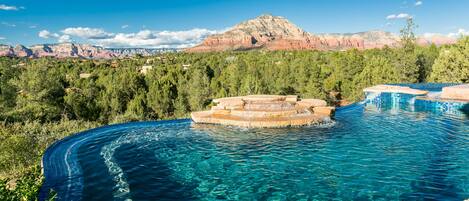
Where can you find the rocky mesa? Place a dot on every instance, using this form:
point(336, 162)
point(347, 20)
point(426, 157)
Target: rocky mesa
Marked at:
point(73, 50)
point(62, 50)
point(277, 33)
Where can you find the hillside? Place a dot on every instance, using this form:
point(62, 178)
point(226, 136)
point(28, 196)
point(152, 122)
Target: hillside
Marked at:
point(277, 33)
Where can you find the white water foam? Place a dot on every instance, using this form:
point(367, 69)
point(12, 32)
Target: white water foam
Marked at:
point(122, 191)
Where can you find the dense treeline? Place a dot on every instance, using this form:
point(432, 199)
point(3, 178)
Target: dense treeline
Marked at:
point(46, 90)
point(42, 100)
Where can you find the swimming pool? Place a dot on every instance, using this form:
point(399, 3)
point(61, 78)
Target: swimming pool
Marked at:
point(374, 150)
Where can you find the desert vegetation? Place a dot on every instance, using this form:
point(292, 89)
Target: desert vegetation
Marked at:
point(43, 100)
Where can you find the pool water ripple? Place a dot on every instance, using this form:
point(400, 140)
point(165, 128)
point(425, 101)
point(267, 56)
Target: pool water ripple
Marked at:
point(367, 153)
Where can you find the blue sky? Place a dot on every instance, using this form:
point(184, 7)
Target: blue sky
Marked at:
point(178, 23)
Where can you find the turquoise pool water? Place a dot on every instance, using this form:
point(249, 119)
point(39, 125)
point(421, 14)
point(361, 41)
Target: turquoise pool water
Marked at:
point(375, 150)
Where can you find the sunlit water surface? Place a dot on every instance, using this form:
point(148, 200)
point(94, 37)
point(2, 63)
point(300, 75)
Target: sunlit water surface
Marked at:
point(367, 153)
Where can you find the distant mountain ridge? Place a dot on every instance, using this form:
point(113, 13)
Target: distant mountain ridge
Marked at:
point(128, 52)
point(85, 51)
point(264, 32)
point(277, 33)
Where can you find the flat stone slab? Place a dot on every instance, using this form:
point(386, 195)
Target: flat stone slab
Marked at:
point(228, 99)
point(265, 111)
point(312, 103)
point(457, 92)
point(275, 105)
point(394, 89)
point(258, 122)
point(264, 98)
point(328, 111)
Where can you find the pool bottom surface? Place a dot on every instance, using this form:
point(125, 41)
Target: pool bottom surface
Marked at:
point(367, 153)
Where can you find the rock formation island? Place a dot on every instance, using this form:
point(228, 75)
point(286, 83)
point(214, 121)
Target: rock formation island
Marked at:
point(265, 111)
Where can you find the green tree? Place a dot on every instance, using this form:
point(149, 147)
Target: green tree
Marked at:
point(377, 70)
point(81, 99)
point(162, 89)
point(425, 58)
point(8, 71)
point(41, 91)
point(119, 88)
point(452, 65)
point(137, 107)
point(405, 57)
point(314, 88)
point(198, 90)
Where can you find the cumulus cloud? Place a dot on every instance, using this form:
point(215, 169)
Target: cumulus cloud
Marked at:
point(157, 39)
point(64, 39)
point(455, 35)
point(44, 34)
point(418, 3)
point(8, 24)
point(60, 38)
point(125, 26)
point(47, 34)
point(398, 16)
point(144, 38)
point(459, 33)
point(6, 7)
point(430, 35)
point(2, 38)
point(87, 33)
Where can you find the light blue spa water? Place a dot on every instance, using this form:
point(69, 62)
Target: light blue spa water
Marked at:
point(371, 151)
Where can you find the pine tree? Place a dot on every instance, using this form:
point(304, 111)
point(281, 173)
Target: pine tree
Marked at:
point(406, 59)
point(452, 65)
point(199, 90)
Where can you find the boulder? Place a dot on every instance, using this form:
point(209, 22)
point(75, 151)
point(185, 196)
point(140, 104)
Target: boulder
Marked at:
point(229, 103)
point(327, 111)
point(291, 98)
point(310, 103)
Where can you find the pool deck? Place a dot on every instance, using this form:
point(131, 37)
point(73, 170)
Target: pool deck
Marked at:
point(395, 89)
point(457, 93)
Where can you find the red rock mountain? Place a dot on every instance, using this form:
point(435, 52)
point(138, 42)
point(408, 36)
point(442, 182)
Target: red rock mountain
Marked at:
point(61, 50)
point(264, 32)
point(67, 50)
point(277, 33)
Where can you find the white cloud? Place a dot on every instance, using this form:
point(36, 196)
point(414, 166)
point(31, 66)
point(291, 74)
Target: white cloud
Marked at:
point(156, 39)
point(64, 39)
point(32, 26)
point(2, 38)
point(430, 35)
point(459, 33)
point(60, 38)
point(5, 7)
point(44, 34)
point(418, 3)
point(87, 33)
point(143, 38)
point(398, 16)
point(454, 35)
point(8, 24)
point(47, 34)
point(125, 26)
